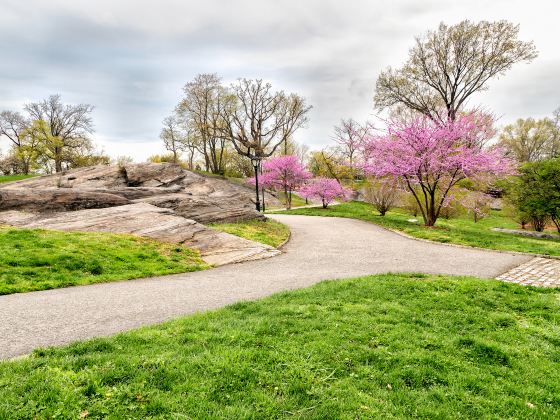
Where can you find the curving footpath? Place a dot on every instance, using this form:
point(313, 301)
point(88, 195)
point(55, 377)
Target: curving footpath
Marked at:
point(320, 248)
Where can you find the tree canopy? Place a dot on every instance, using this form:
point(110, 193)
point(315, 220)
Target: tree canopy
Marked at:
point(445, 67)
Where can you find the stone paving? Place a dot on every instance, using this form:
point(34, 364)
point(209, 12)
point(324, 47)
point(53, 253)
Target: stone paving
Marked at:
point(542, 272)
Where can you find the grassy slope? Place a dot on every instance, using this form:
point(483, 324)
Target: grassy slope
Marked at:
point(296, 200)
point(267, 232)
point(458, 231)
point(391, 346)
point(10, 178)
point(32, 259)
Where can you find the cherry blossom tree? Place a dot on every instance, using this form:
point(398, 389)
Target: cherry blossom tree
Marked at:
point(325, 190)
point(284, 173)
point(431, 157)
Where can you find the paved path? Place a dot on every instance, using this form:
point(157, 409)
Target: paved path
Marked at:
point(320, 248)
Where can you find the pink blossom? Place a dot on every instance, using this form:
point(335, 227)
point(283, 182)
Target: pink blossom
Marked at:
point(325, 190)
point(432, 157)
point(283, 173)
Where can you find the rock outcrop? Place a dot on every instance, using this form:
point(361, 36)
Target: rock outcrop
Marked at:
point(52, 199)
point(143, 219)
point(160, 201)
point(201, 198)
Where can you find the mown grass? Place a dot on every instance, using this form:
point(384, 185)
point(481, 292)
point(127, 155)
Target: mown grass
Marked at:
point(462, 230)
point(389, 346)
point(33, 259)
point(269, 232)
point(10, 178)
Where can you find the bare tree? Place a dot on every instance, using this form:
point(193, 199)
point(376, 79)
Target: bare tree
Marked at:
point(172, 137)
point(349, 136)
point(200, 110)
point(62, 129)
point(258, 120)
point(447, 66)
point(383, 194)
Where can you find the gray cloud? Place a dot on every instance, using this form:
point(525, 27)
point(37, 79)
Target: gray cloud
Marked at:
point(130, 58)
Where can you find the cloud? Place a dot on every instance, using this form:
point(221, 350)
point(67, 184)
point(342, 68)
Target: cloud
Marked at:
point(130, 58)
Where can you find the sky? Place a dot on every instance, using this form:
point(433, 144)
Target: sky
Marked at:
point(131, 58)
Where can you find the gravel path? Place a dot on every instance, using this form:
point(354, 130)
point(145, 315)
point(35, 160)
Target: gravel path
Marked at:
point(320, 248)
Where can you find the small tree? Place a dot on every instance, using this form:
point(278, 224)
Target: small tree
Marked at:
point(325, 190)
point(285, 173)
point(382, 193)
point(477, 204)
point(537, 192)
point(431, 158)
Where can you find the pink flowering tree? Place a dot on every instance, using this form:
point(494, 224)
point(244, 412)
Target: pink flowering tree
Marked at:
point(432, 157)
point(284, 173)
point(325, 190)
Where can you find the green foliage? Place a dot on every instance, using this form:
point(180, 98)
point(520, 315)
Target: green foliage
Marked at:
point(269, 232)
point(389, 346)
point(537, 192)
point(462, 230)
point(33, 259)
point(168, 157)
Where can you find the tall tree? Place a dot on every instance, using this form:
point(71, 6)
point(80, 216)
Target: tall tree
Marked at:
point(446, 67)
point(200, 110)
point(530, 140)
point(350, 135)
point(257, 120)
point(62, 129)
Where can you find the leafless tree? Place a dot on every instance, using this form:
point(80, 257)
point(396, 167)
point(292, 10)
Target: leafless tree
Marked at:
point(172, 137)
point(447, 66)
point(63, 129)
point(383, 194)
point(258, 120)
point(350, 135)
point(200, 111)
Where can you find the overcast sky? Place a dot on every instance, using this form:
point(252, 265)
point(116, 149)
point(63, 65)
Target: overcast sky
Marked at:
point(130, 58)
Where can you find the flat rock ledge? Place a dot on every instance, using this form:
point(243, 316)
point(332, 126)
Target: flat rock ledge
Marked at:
point(144, 219)
point(529, 233)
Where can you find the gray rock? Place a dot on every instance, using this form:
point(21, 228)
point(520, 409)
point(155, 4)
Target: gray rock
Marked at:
point(146, 220)
point(204, 199)
point(57, 199)
point(529, 233)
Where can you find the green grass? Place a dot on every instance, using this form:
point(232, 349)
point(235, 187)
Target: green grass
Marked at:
point(33, 259)
point(463, 231)
point(390, 346)
point(269, 232)
point(297, 201)
point(11, 178)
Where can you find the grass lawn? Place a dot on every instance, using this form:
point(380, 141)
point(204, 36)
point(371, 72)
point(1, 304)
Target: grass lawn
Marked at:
point(389, 346)
point(296, 200)
point(10, 178)
point(33, 259)
point(461, 231)
point(269, 232)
